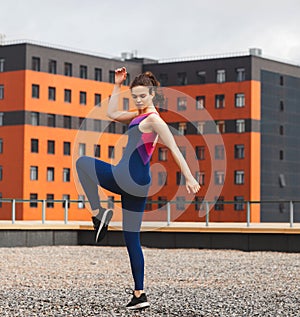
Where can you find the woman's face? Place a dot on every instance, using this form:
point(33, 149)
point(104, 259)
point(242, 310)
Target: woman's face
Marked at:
point(142, 97)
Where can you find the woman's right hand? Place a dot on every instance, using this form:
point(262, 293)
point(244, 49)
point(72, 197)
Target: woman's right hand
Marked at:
point(120, 75)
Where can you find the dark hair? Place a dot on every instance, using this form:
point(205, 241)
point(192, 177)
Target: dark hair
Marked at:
point(149, 80)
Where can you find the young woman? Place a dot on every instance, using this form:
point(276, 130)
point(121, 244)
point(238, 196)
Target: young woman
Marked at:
point(130, 178)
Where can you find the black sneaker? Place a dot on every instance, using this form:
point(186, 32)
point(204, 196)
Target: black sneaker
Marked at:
point(101, 222)
point(138, 302)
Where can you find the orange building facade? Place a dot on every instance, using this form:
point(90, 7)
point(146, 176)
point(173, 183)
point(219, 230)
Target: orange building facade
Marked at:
point(53, 109)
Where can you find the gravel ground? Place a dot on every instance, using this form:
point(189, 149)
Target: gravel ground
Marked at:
point(90, 281)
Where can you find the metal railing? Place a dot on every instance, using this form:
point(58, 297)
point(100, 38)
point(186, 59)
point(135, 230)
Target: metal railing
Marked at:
point(164, 205)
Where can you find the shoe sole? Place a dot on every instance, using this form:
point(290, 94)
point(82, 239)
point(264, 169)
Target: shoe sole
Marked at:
point(139, 306)
point(107, 215)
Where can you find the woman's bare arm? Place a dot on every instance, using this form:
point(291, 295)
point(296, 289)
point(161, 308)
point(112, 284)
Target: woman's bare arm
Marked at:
point(161, 128)
point(113, 111)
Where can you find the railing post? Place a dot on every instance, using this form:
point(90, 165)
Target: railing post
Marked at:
point(291, 214)
point(168, 213)
point(248, 213)
point(66, 212)
point(13, 211)
point(207, 213)
point(43, 211)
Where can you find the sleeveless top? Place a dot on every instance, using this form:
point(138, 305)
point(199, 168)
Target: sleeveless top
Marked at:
point(146, 144)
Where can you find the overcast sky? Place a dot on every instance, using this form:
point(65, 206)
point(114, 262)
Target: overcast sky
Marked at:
point(158, 28)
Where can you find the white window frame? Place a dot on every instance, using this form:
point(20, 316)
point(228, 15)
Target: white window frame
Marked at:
point(239, 177)
point(240, 126)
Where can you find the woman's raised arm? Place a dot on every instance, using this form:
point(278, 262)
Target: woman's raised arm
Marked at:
point(113, 111)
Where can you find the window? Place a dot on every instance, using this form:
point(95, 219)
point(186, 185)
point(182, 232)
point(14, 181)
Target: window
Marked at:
point(97, 125)
point(52, 66)
point(201, 76)
point(281, 80)
point(239, 203)
point(182, 128)
point(127, 80)
point(200, 177)
point(220, 126)
point(199, 205)
point(50, 120)
point(33, 200)
point(163, 105)
point(51, 147)
point(36, 64)
point(1, 145)
point(111, 152)
point(162, 202)
point(239, 177)
point(51, 93)
point(111, 202)
point(182, 78)
point(220, 101)
point(2, 64)
point(1, 173)
point(111, 78)
point(67, 122)
point(50, 202)
point(125, 104)
point(282, 182)
point(82, 147)
point(239, 151)
point(1, 92)
point(67, 148)
point(35, 91)
point(68, 95)
point(240, 74)
point(281, 130)
point(200, 102)
point(112, 127)
point(200, 152)
point(180, 179)
point(163, 79)
point(219, 205)
point(1, 118)
point(240, 100)
point(66, 198)
point(81, 201)
point(148, 205)
point(83, 71)
point(281, 105)
point(98, 74)
point(281, 155)
point(82, 123)
point(50, 174)
point(219, 152)
point(180, 203)
point(68, 69)
point(162, 178)
point(97, 150)
point(219, 177)
point(82, 98)
point(66, 175)
point(181, 103)
point(35, 118)
point(240, 126)
point(221, 76)
point(162, 154)
point(200, 127)
point(34, 146)
point(97, 100)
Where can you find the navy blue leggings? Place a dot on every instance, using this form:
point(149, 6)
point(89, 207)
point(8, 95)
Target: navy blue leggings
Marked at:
point(93, 173)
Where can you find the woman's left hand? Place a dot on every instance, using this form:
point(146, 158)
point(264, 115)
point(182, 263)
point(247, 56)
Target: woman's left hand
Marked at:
point(192, 185)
